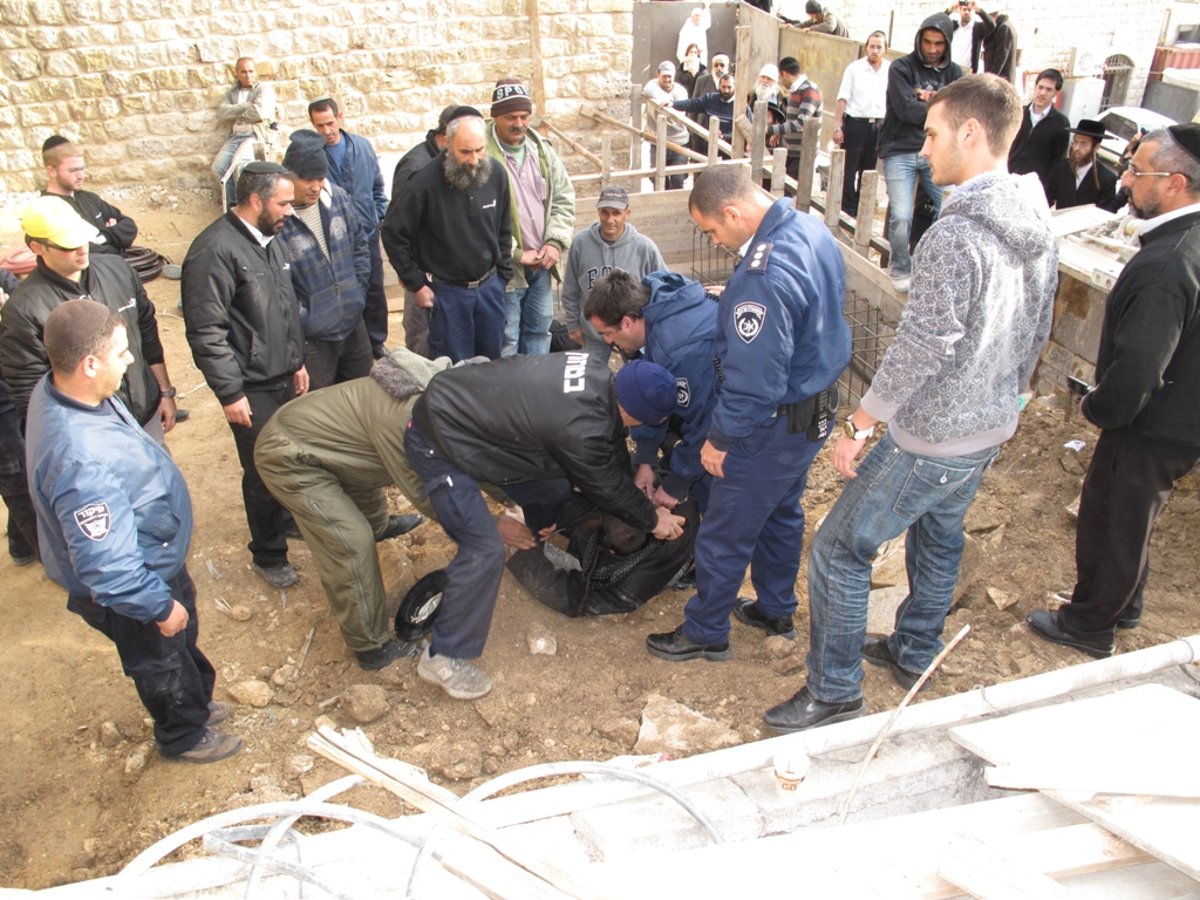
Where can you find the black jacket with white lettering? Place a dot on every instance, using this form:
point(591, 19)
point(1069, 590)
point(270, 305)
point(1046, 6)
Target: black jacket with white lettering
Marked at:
point(108, 280)
point(527, 418)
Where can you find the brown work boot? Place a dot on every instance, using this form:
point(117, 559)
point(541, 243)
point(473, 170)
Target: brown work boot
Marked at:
point(213, 747)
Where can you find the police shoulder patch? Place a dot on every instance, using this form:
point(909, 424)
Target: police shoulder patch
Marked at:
point(683, 392)
point(759, 255)
point(748, 318)
point(94, 521)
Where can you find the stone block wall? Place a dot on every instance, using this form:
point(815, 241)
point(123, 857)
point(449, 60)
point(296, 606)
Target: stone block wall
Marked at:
point(136, 82)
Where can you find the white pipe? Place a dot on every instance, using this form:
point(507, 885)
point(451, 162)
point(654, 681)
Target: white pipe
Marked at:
point(567, 798)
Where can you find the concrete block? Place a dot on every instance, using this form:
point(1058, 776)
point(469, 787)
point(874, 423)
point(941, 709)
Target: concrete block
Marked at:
point(13, 38)
point(14, 12)
point(39, 114)
point(47, 12)
point(654, 823)
point(89, 86)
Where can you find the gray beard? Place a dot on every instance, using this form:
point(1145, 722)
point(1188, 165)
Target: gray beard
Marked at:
point(465, 177)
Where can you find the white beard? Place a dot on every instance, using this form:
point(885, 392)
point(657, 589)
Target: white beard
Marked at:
point(763, 92)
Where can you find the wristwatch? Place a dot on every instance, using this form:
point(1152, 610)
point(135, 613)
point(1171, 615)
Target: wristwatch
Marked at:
point(169, 393)
point(853, 433)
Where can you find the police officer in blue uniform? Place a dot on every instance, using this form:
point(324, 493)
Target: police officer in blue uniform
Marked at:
point(781, 342)
point(114, 523)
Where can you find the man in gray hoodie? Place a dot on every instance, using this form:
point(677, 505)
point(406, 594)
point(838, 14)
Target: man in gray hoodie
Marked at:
point(970, 335)
point(611, 243)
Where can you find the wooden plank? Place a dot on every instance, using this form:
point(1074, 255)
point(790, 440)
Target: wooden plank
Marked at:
point(758, 142)
point(984, 873)
point(808, 162)
point(1149, 726)
point(868, 204)
point(833, 194)
point(778, 171)
point(521, 872)
point(742, 55)
point(1084, 777)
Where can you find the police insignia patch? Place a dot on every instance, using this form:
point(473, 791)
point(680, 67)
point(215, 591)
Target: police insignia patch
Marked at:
point(683, 392)
point(748, 319)
point(94, 521)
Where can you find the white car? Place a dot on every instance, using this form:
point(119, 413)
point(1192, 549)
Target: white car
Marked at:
point(1124, 122)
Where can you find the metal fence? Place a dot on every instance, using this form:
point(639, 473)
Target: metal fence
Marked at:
point(870, 336)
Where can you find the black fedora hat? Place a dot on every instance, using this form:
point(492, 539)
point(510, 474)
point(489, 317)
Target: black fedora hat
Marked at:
point(1090, 128)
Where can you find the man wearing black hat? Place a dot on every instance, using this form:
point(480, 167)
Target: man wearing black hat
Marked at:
point(1080, 178)
point(450, 239)
point(244, 327)
point(1144, 399)
point(115, 521)
point(542, 204)
point(536, 426)
point(354, 167)
point(330, 267)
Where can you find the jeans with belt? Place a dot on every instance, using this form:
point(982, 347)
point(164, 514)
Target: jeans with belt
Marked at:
point(895, 491)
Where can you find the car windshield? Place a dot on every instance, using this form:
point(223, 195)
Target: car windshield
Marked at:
point(1120, 126)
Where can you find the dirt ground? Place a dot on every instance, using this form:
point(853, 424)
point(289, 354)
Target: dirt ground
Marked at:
point(84, 792)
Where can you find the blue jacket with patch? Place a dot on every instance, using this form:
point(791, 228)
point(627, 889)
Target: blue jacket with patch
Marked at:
point(332, 290)
point(360, 177)
point(781, 335)
point(114, 515)
point(680, 320)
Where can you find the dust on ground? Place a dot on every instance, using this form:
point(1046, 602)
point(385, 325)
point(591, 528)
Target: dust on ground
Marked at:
point(84, 791)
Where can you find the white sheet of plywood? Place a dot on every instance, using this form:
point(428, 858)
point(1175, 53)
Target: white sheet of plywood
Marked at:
point(1150, 727)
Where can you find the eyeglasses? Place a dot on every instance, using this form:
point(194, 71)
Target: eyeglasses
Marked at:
point(54, 246)
point(1133, 172)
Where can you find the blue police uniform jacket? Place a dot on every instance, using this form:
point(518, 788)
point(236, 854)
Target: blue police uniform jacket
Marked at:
point(680, 320)
point(781, 336)
point(114, 515)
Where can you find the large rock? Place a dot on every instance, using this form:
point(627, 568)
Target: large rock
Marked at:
point(365, 702)
point(670, 727)
point(252, 692)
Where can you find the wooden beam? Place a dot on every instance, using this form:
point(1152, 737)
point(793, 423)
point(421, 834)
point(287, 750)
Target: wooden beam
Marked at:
point(535, 55)
point(778, 171)
point(982, 872)
point(808, 162)
point(868, 203)
point(1059, 776)
point(833, 194)
point(742, 50)
point(572, 143)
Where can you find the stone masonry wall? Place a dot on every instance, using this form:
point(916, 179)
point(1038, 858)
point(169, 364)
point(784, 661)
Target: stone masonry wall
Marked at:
point(136, 82)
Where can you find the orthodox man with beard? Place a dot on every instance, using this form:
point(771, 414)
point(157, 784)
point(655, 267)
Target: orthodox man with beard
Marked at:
point(1081, 179)
point(450, 240)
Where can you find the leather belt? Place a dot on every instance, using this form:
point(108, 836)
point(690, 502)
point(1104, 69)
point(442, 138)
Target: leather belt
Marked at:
point(868, 121)
point(465, 284)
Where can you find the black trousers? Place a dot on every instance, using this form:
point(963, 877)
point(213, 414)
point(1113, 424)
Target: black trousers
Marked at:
point(173, 678)
point(14, 488)
point(265, 516)
point(332, 362)
point(1126, 487)
point(375, 315)
point(859, 138)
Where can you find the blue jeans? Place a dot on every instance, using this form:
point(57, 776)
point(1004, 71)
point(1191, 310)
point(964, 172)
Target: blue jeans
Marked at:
point(894, 491)
point(467, 321)
point(901, 173)
point(528, 312)
point(753, 518)
point(224, 159)
point(473, 576)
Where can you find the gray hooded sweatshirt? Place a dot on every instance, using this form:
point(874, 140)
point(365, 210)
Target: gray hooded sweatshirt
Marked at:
point(591, 258)
point(978, 314)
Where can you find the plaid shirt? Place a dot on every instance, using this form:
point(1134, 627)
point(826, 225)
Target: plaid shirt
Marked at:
point(804, 102)
point(331, 290)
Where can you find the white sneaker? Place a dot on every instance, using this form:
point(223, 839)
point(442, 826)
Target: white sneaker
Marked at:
point(457, 677)
point(900, 284)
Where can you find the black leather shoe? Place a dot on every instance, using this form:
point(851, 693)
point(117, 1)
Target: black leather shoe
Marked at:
point(1129, 620)
point(398, 525)
point(805, 711)
point(1045, 625)
point(386, 655)
point(877, 652)
point(674, 646)
point(746, 612)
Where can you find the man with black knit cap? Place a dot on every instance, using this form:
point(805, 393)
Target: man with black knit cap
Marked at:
point(65, 170)
point(913, 80)
point(542, 203)
point(330, 268)
point(244, 327)
point(536, 426)
point(450, 239)
point(115, 522)
point(1144, 399)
